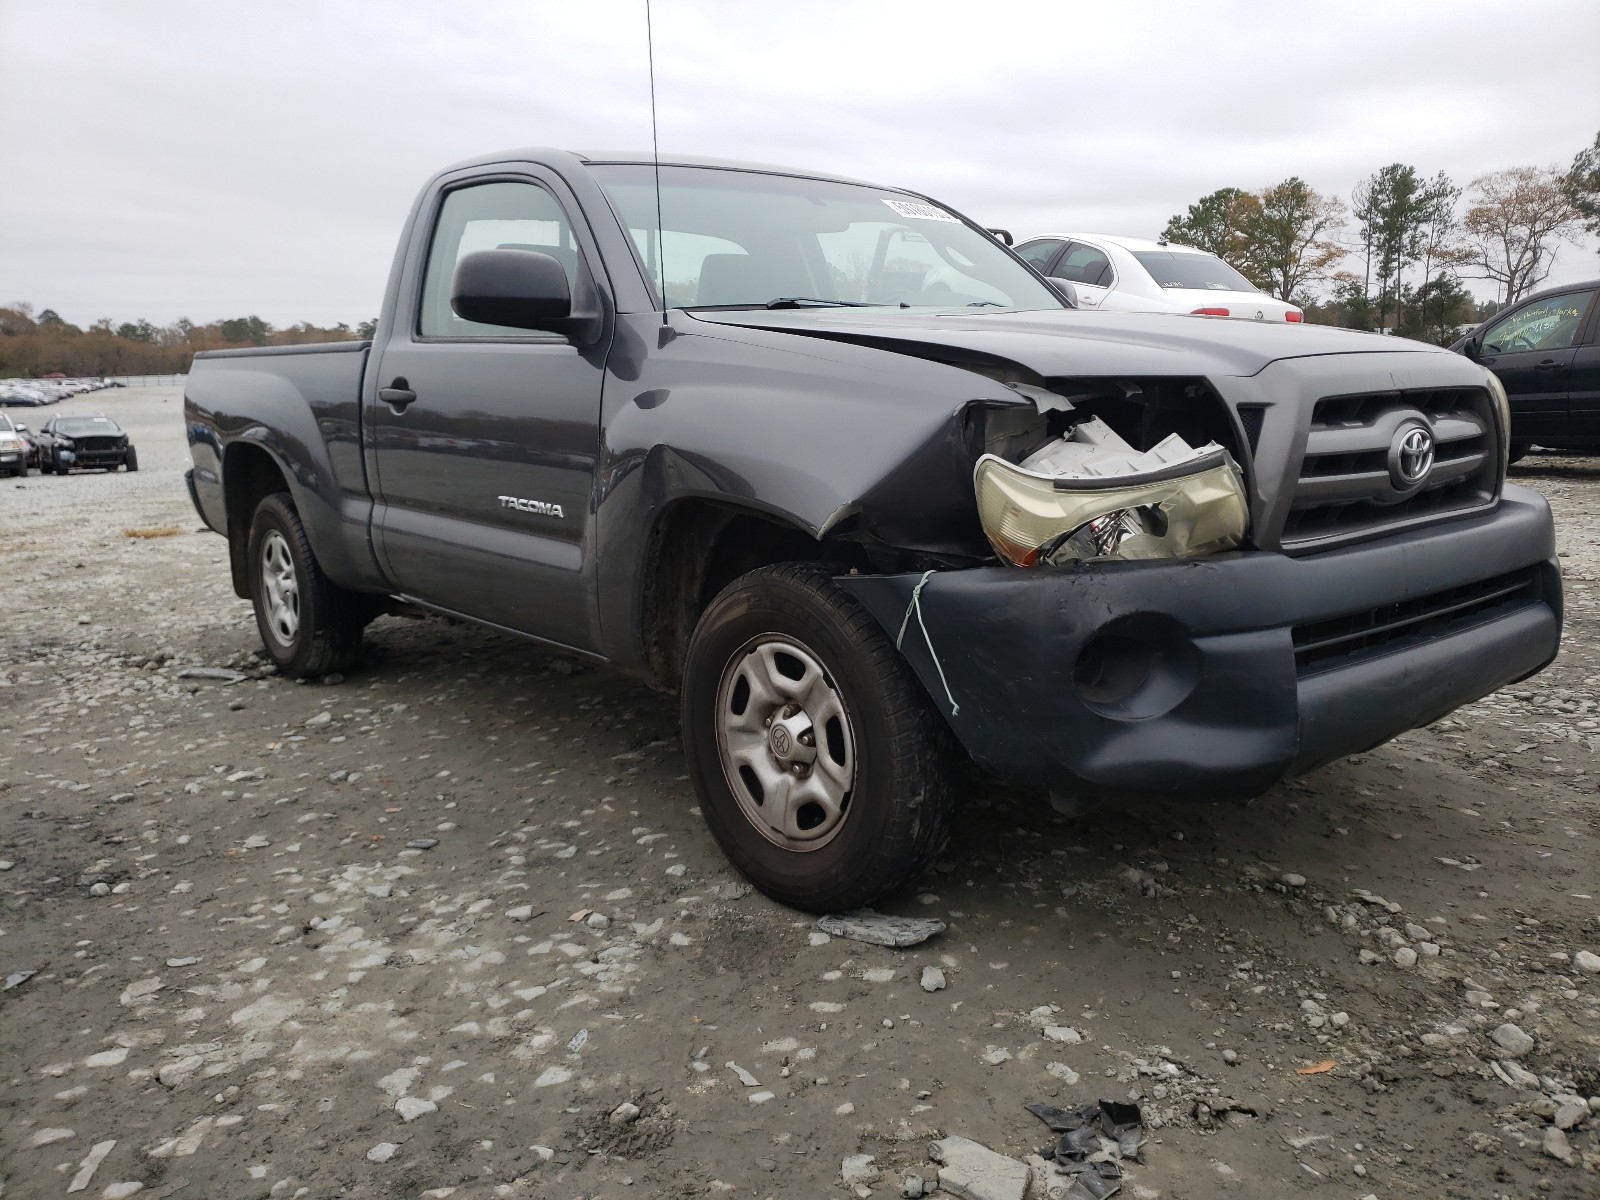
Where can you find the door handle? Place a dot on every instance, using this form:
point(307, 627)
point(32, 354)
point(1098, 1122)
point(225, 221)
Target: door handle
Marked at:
point(1548, 364)
point(397, 395)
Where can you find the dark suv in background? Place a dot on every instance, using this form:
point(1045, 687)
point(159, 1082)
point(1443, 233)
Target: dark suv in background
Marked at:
point(1546, 352)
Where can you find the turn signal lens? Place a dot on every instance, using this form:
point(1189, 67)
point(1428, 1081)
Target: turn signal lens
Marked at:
point(1031, 518)
point(1294, 318)
point(1502, 408)
point(1209, 312)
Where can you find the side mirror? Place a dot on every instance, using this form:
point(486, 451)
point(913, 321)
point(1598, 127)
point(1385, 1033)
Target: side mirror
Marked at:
point(1001, 235)
point(1067, 289)
point(523, 289)
point(1470, 347)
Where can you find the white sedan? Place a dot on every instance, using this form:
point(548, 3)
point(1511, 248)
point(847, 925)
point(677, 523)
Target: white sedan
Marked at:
point(1125, 274)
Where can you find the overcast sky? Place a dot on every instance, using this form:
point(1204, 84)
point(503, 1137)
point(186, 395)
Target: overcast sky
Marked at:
point(162, 158)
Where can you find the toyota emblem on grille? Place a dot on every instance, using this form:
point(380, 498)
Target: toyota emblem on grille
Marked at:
point(1411, 457)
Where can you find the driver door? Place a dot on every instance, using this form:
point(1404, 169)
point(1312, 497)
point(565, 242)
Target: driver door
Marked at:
point(1531, 349)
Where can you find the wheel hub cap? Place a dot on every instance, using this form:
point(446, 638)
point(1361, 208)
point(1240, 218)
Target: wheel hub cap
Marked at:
point(281, 588)
point(786, 742)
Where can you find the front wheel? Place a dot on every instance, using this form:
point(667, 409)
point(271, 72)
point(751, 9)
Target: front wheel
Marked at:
point(821, 769)
point(308, 624)
point(1518, 451)
point(131, 461)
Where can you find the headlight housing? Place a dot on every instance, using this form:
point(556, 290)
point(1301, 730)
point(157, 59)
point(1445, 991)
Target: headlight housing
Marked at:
point(1193, 508)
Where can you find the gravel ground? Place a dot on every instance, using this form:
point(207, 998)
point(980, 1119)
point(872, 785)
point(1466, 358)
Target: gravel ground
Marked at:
point(249, 977)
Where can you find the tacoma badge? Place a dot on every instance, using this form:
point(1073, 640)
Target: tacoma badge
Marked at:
point(542, 507)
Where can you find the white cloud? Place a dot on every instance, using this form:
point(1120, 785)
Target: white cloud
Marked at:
point(212, 159)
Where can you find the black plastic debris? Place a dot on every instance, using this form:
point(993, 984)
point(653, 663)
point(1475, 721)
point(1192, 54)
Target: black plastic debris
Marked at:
point(1123, 1124)
point(1079, 1152)
point(1095, 1182)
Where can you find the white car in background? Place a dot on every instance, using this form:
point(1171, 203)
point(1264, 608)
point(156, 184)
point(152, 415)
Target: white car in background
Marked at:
point(1126, 274)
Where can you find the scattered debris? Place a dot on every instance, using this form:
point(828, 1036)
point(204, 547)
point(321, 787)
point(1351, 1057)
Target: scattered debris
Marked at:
point(17, 979)
point(1317, 1068)
point(879, 929)
point(932, 979)
point(858, 1168)
point(90, 1164)
point(221, 674)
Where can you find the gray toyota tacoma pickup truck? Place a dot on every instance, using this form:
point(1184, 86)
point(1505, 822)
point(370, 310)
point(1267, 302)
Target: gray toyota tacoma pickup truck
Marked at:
point(836, 466)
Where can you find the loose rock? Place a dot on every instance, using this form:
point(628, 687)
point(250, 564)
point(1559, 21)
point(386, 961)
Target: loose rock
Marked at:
point(1513, 1040)
point(974, 1172)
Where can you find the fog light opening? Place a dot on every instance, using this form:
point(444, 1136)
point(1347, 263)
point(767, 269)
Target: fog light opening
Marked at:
point(1112, 668)
point(1137, 667)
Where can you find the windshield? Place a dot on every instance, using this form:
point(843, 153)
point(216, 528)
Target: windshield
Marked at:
point(1192, 269)
point(744, 238)
point(5, 424)
point(87, 426)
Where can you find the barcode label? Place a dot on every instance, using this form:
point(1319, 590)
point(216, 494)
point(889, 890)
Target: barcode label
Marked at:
point(921, 212)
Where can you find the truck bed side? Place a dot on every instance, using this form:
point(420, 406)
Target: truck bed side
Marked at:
point(285, 418)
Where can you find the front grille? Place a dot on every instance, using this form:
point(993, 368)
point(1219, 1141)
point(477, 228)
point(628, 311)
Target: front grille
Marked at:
point(1345, 490)
point(99, 445)
point(1324, 645)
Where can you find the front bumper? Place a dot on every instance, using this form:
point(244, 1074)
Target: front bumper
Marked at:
point(1222, 676)
point(92, 459)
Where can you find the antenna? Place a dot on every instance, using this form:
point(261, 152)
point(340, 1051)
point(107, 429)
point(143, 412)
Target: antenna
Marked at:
point(655, 158)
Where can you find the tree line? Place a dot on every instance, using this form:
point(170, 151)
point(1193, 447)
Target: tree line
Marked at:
point(44, 343)
point(1414, 238)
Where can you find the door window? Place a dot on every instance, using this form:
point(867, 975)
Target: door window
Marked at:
point(1085, 264)
point(1039, 253)
point(1549, 324)
point(490, 216)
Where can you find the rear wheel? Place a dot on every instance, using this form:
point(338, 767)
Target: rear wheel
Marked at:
point(308, 624)
point(821, 768)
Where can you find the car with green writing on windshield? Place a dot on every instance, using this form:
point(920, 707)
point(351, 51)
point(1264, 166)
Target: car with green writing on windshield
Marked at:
point(1545, 350)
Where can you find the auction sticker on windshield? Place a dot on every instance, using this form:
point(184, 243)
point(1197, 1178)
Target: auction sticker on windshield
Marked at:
point(921, 212)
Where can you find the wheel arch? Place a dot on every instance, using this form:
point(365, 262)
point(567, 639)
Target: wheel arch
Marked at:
point(696, 546)
point(250, 473)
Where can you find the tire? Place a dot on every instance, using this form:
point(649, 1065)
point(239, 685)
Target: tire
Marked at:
point(309, 625)
point(131, 461)
point(881, 754)
point(1519, 451)
point(62, 468)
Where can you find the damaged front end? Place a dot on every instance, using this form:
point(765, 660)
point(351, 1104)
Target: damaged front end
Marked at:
point(1088, 495)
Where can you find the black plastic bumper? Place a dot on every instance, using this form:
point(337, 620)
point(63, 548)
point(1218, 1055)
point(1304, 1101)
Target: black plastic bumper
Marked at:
point(1224, 675)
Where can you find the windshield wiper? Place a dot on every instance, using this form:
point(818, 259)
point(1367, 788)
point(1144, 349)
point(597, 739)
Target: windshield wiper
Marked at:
point(985, 304)
point(800, 301)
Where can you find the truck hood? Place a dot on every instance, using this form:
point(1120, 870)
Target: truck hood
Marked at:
point(1067, 342)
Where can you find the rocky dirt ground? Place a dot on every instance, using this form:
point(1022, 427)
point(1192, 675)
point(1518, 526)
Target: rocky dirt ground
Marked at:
point(452, 926)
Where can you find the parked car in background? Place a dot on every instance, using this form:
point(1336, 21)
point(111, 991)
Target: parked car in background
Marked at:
point(30, 442)
point(1137, 275)
point(1546, 352)
point(84, 442)
point(14, 448)
point(26, 393)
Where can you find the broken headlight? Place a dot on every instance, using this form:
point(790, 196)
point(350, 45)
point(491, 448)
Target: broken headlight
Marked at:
point(1092, 496)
